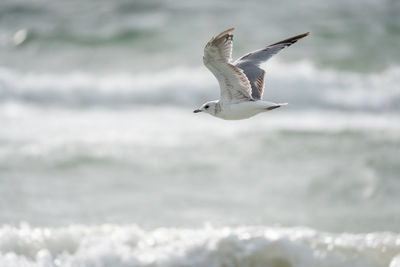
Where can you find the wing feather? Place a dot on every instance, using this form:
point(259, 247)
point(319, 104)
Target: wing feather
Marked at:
point(235, 87)
point(259, 84)
point(259, 56)
point(250, 63)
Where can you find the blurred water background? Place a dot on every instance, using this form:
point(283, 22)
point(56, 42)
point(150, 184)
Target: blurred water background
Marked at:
point(102, 162)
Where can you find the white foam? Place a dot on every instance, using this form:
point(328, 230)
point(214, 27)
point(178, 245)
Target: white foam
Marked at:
point(349, 90)
point(395, 262)
point(299, 83)
point(128, 245)
point(177, 85)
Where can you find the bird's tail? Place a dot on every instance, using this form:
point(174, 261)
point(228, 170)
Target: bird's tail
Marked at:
point(276, 106)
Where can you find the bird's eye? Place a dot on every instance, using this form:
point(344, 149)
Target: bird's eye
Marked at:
point(206, 106)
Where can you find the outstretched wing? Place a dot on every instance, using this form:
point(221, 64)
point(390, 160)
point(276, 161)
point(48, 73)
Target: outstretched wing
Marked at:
point(250, 63)
point(235, 87)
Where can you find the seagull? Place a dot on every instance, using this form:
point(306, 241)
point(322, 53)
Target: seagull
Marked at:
point(241, 82)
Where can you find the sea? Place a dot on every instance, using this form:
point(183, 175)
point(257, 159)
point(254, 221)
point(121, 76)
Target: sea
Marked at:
point(104, 164)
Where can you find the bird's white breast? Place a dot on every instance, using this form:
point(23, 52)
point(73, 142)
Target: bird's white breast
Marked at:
point(239, 111)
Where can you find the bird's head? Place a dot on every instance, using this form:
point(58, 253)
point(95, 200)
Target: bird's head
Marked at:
point(209, 107)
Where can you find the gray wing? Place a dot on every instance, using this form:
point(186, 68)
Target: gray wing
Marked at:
point(250, 63)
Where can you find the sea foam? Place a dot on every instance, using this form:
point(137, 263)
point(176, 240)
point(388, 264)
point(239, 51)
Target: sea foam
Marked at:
point(129, 245)
point(300, 83)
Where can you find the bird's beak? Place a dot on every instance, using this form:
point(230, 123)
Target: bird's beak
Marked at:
point(197, 111)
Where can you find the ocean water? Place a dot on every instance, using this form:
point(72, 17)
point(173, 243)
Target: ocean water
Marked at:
point(103, 163)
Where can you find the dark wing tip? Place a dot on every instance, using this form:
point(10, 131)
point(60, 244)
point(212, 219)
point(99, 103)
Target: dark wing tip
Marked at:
point(293, 39)
point(228, 31)
point(222, 34)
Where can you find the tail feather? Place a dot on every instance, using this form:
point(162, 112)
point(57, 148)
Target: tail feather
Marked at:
point(276, 106)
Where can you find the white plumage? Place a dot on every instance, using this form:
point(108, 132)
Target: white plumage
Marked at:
point(241, 82)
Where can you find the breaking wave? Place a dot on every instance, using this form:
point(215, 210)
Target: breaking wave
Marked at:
point(301, 84)
point(129, 245)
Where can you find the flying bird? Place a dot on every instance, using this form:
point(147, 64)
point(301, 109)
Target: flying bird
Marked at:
point(241, 82)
